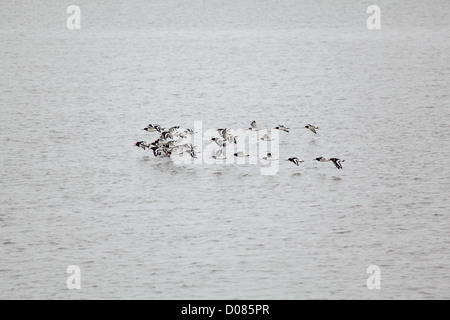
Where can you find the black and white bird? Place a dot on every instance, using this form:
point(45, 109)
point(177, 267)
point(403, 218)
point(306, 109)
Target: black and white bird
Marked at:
point(154, 127)
point(157, 143)
point(241, 154)
point(269, 157)
point(253, 127)
point(223, 133)
point(312, 128)
point(166, 135)
point(282, 128)
point(157, 151)
point(337, 162)
point(218, 155)
point(142, 144)
point(232, 138)
point(295, 160)
point(193, 153)
point(150, 128)
point(266, 138)
point(220, 142)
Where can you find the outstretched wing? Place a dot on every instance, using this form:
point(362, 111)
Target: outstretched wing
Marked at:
point(337, 163)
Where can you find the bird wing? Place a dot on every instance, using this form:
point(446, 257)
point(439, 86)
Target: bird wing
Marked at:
point(337, 163)
point(224, 133)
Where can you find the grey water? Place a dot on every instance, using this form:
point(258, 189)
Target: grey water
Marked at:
point(75, 191)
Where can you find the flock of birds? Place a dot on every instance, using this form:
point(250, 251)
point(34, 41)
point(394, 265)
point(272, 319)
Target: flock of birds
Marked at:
point(168, 143)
